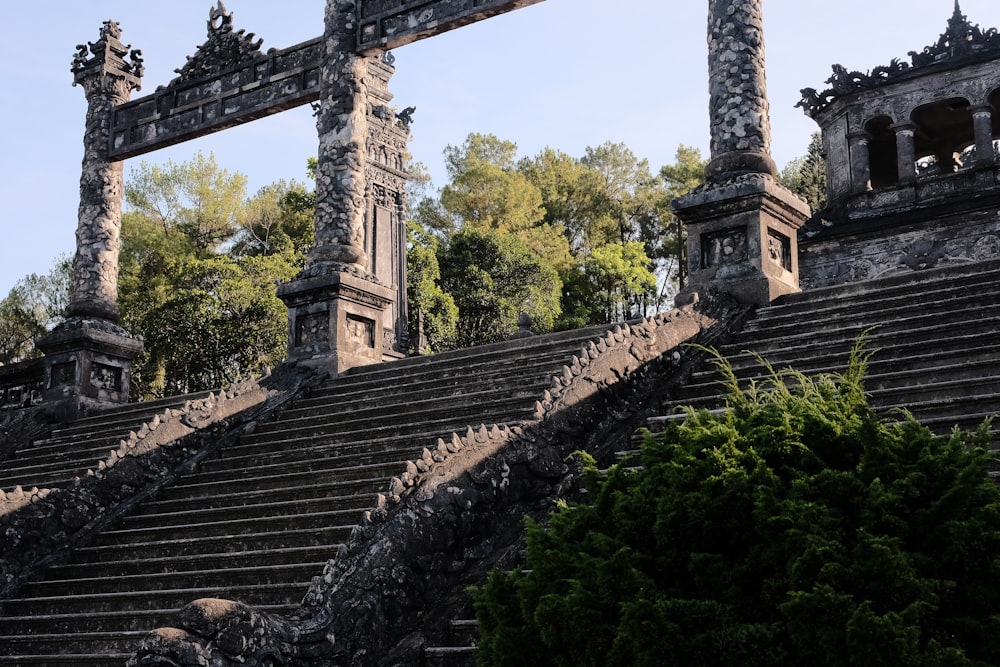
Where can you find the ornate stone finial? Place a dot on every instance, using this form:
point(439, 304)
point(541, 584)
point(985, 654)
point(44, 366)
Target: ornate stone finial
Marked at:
point(224, 48)
point(108, 61)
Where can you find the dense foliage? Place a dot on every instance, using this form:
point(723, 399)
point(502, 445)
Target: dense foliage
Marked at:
point(601, 222)
point(795, 528)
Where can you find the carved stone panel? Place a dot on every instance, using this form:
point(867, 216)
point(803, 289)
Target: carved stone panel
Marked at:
point(728, 246)
point(106, 378)
point(360, 333)
point(64, 375)
point(779, 249)
point(313, 330)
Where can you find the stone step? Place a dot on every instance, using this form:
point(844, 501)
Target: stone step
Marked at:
point(836, 341)
point(68, 659)
point(434, 380)
point(307, 507)
point(332, 524)
point(219, 543)
point(331, 434)
point(466, 408)
point(471, 355)
point(427, 395)
point(213, 494)
point(125, 418)
point(929, 354)
point(253, 594)
point(146, 581)
point(96, 565)
point(888, 318)
point(75, 644)
point(831, 303)
point(16, 623)
point(316, 460)
point(874, 381)
point(972, 275)
point(275, 478)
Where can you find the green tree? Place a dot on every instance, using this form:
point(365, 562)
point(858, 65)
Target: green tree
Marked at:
point(197, 198)
point(32, 308)
point(278, 218)
point(486, 189)
point(680, 178)
point(494, 277)
point(198, 270)
point(620, 280)
point(432, 311)
point(806, 175)
point(795, 528)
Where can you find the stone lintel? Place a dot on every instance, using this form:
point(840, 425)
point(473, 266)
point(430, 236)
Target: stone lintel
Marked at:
point(335, 320)
point(88, 363)
point(385, 25)
point(270, 83)
point(742, 239)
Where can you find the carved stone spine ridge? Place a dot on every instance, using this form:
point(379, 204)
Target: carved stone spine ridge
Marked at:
point(739, 112)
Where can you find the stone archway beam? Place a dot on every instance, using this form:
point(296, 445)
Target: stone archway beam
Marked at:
point(386, 25)
point(270, 83)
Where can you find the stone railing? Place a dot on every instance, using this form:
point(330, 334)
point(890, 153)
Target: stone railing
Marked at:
point(38, 527)
point(449, 517)
point(21, 385)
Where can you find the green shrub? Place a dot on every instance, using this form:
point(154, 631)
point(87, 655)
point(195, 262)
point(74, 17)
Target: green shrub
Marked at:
point(794, 528)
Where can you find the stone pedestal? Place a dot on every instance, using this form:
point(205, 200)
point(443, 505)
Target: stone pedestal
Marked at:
point(335, 320)
point(87, 363)
point(742, 239)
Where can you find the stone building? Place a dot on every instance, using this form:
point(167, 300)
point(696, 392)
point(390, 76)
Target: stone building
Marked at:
point(335, 512)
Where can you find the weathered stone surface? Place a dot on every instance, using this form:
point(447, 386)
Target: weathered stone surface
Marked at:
point(108, 80)
point(739, 111)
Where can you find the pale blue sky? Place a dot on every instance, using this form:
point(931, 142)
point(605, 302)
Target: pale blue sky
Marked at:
point(563, 73)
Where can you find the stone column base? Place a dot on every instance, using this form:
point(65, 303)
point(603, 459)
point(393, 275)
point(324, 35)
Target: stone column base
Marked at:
point(88, 365)
point(742, 239)
point(336, 320)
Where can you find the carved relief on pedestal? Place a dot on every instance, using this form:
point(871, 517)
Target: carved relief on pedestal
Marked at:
point(64, 375)
point(106, 378)
point(728, 246)
point(779, 249)
point(313, 330)
point(360, 333)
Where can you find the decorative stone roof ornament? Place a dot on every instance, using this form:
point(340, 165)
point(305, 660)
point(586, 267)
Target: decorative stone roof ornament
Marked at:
point(225, 47)
point(107, 56)
point(961, 41)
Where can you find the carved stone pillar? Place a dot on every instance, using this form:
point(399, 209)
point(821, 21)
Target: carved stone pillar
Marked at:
point(343, 309)
point(740, 120)
point(89, 356)
point(982, 118)
point(906, 152)
point(861, 169)
point(742, 224)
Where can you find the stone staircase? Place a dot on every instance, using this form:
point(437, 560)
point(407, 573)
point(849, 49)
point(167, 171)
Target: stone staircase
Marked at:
point(935, 354)
point(70, 451)
point(932, 335)
point(258, 521)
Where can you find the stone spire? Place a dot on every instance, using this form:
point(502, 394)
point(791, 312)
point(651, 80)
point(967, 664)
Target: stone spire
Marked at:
point(108, 73)
point(741, 128)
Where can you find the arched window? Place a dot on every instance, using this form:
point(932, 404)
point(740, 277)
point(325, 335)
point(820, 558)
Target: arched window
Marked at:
point(945, 131)
point(882, 152)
